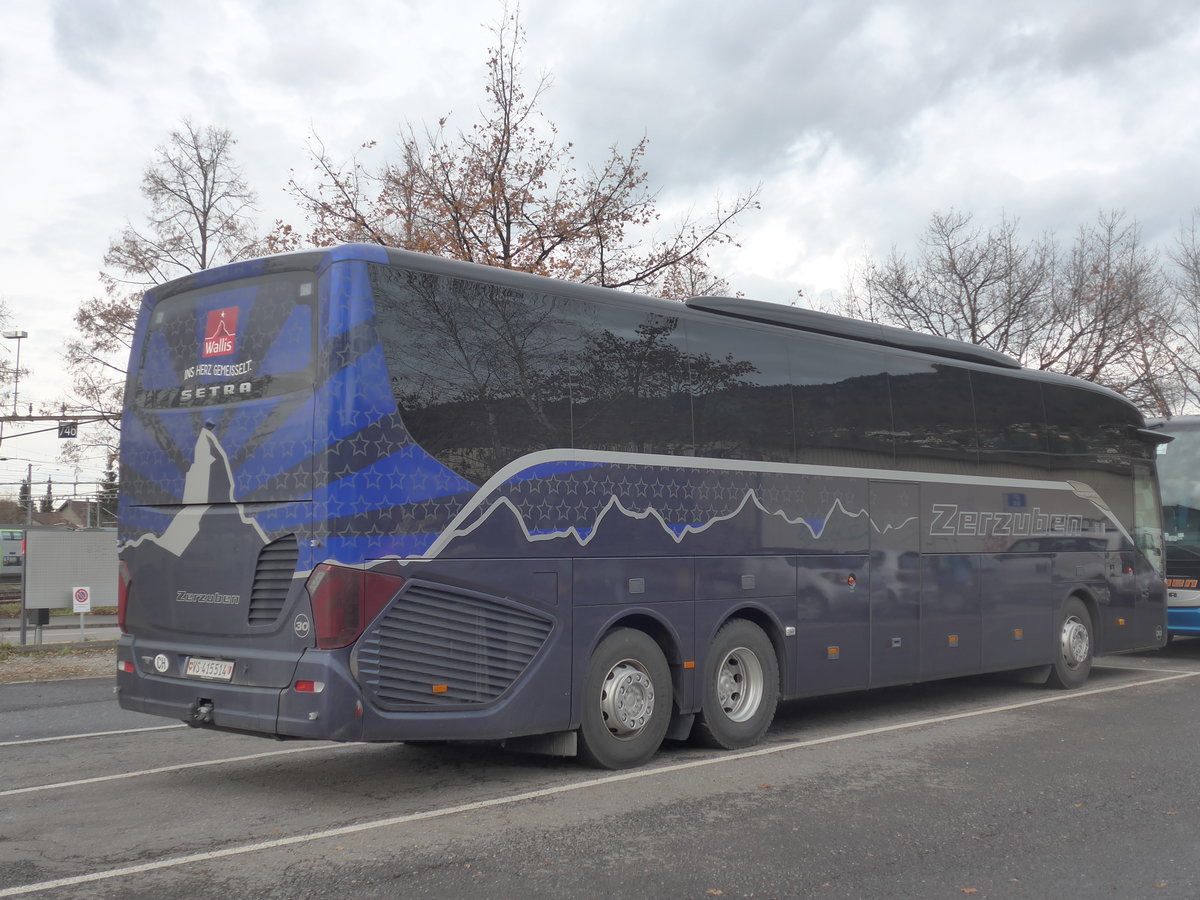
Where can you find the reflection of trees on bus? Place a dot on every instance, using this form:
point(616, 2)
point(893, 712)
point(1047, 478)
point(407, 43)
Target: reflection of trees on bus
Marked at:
point(629, 393)
point(479, 381)
point(496, 375)
point(486, 373)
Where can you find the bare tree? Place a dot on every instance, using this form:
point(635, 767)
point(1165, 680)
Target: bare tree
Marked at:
point(1104, 310)
point(1181, 336)
point(973, 284)
point(200, 216)
point(1110, 312)
point(506, 193)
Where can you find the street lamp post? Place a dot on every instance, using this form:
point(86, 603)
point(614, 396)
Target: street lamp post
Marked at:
point(17, 336)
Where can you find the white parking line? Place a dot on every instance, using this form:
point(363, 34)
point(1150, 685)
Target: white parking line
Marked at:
point(617, 777)
point(1127, 668)
point(91, 734)
point(179, 767)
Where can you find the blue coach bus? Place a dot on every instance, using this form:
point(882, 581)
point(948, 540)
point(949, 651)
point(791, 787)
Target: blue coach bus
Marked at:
point(1179, 483)
point(371, 495)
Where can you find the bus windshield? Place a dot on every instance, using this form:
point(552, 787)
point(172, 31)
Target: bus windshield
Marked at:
point(1179, 483)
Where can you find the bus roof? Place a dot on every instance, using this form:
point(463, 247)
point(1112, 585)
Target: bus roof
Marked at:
point(759, 312)
point(853, 329)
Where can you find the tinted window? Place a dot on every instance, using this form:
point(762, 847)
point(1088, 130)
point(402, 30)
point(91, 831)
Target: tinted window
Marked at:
point(1091, 430)
point(842, 403)
point(631, 378)
point(234, 341)
point(481, 372)
point(1011, 423)
point(741, 392)
point(934, 416)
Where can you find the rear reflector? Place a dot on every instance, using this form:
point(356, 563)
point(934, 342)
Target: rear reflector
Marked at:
point(344, 601)
point(123, 582)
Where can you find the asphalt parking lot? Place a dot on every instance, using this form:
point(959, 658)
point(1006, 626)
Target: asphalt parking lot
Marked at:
point(976, 786)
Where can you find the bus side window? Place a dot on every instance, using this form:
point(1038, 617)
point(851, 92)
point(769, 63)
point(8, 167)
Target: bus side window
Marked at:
point(742, 409)
point(478, 370)
point(934, 417)
point(842, 403)
point(1011, 422)
point(631, 383)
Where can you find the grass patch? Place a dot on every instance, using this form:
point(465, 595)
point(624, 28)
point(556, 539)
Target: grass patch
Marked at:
point(14, 651)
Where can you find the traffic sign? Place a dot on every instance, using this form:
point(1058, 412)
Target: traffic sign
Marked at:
point(81, 599)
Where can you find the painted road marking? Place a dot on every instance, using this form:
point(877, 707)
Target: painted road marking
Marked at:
point(178, 767)
point(541, 793)
point(90, 734)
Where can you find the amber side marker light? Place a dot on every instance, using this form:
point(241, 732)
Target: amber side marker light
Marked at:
point(440, 688)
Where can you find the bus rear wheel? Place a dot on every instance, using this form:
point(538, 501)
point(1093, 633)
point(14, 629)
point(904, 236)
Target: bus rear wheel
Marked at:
point(740, 687)
point(1075, 646)
point(627, 697)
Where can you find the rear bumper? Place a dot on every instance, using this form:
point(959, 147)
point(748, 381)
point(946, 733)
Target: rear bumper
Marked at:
point(335, 710)
point(330, 712)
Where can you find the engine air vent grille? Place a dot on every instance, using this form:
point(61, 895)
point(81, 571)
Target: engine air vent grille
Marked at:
point(272, 578)
point(445, 647)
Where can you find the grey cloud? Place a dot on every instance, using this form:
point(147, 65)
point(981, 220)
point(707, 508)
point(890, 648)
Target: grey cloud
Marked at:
point(96, 37)
point(738, 85)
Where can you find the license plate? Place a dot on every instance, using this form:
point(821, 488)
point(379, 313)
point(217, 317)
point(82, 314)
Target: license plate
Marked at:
point(211, 669)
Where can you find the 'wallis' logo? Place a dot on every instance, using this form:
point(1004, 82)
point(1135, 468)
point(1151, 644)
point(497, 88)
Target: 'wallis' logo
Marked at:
point(220, 332)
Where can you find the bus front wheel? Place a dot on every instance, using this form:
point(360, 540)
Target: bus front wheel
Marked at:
point(1075, 645)
point(627, 700)
point(741, 687)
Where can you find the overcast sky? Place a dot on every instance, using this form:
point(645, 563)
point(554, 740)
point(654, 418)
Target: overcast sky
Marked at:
point(858, 119)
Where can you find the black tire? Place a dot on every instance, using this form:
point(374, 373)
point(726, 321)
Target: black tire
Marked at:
point(627, 697)
point(1074, 644)
point(740, 689)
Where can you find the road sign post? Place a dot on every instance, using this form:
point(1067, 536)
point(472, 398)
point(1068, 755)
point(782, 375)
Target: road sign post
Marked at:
point(81, 602)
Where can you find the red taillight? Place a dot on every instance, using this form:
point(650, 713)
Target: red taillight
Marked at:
point(123, 582)
point(345, 600)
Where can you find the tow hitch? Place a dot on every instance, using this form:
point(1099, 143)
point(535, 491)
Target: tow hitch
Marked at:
point(200, 713)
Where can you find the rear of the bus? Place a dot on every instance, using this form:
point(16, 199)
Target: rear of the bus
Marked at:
point(217, 487)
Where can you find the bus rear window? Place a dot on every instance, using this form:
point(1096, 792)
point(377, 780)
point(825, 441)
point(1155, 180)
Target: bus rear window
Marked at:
point(234, 341)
